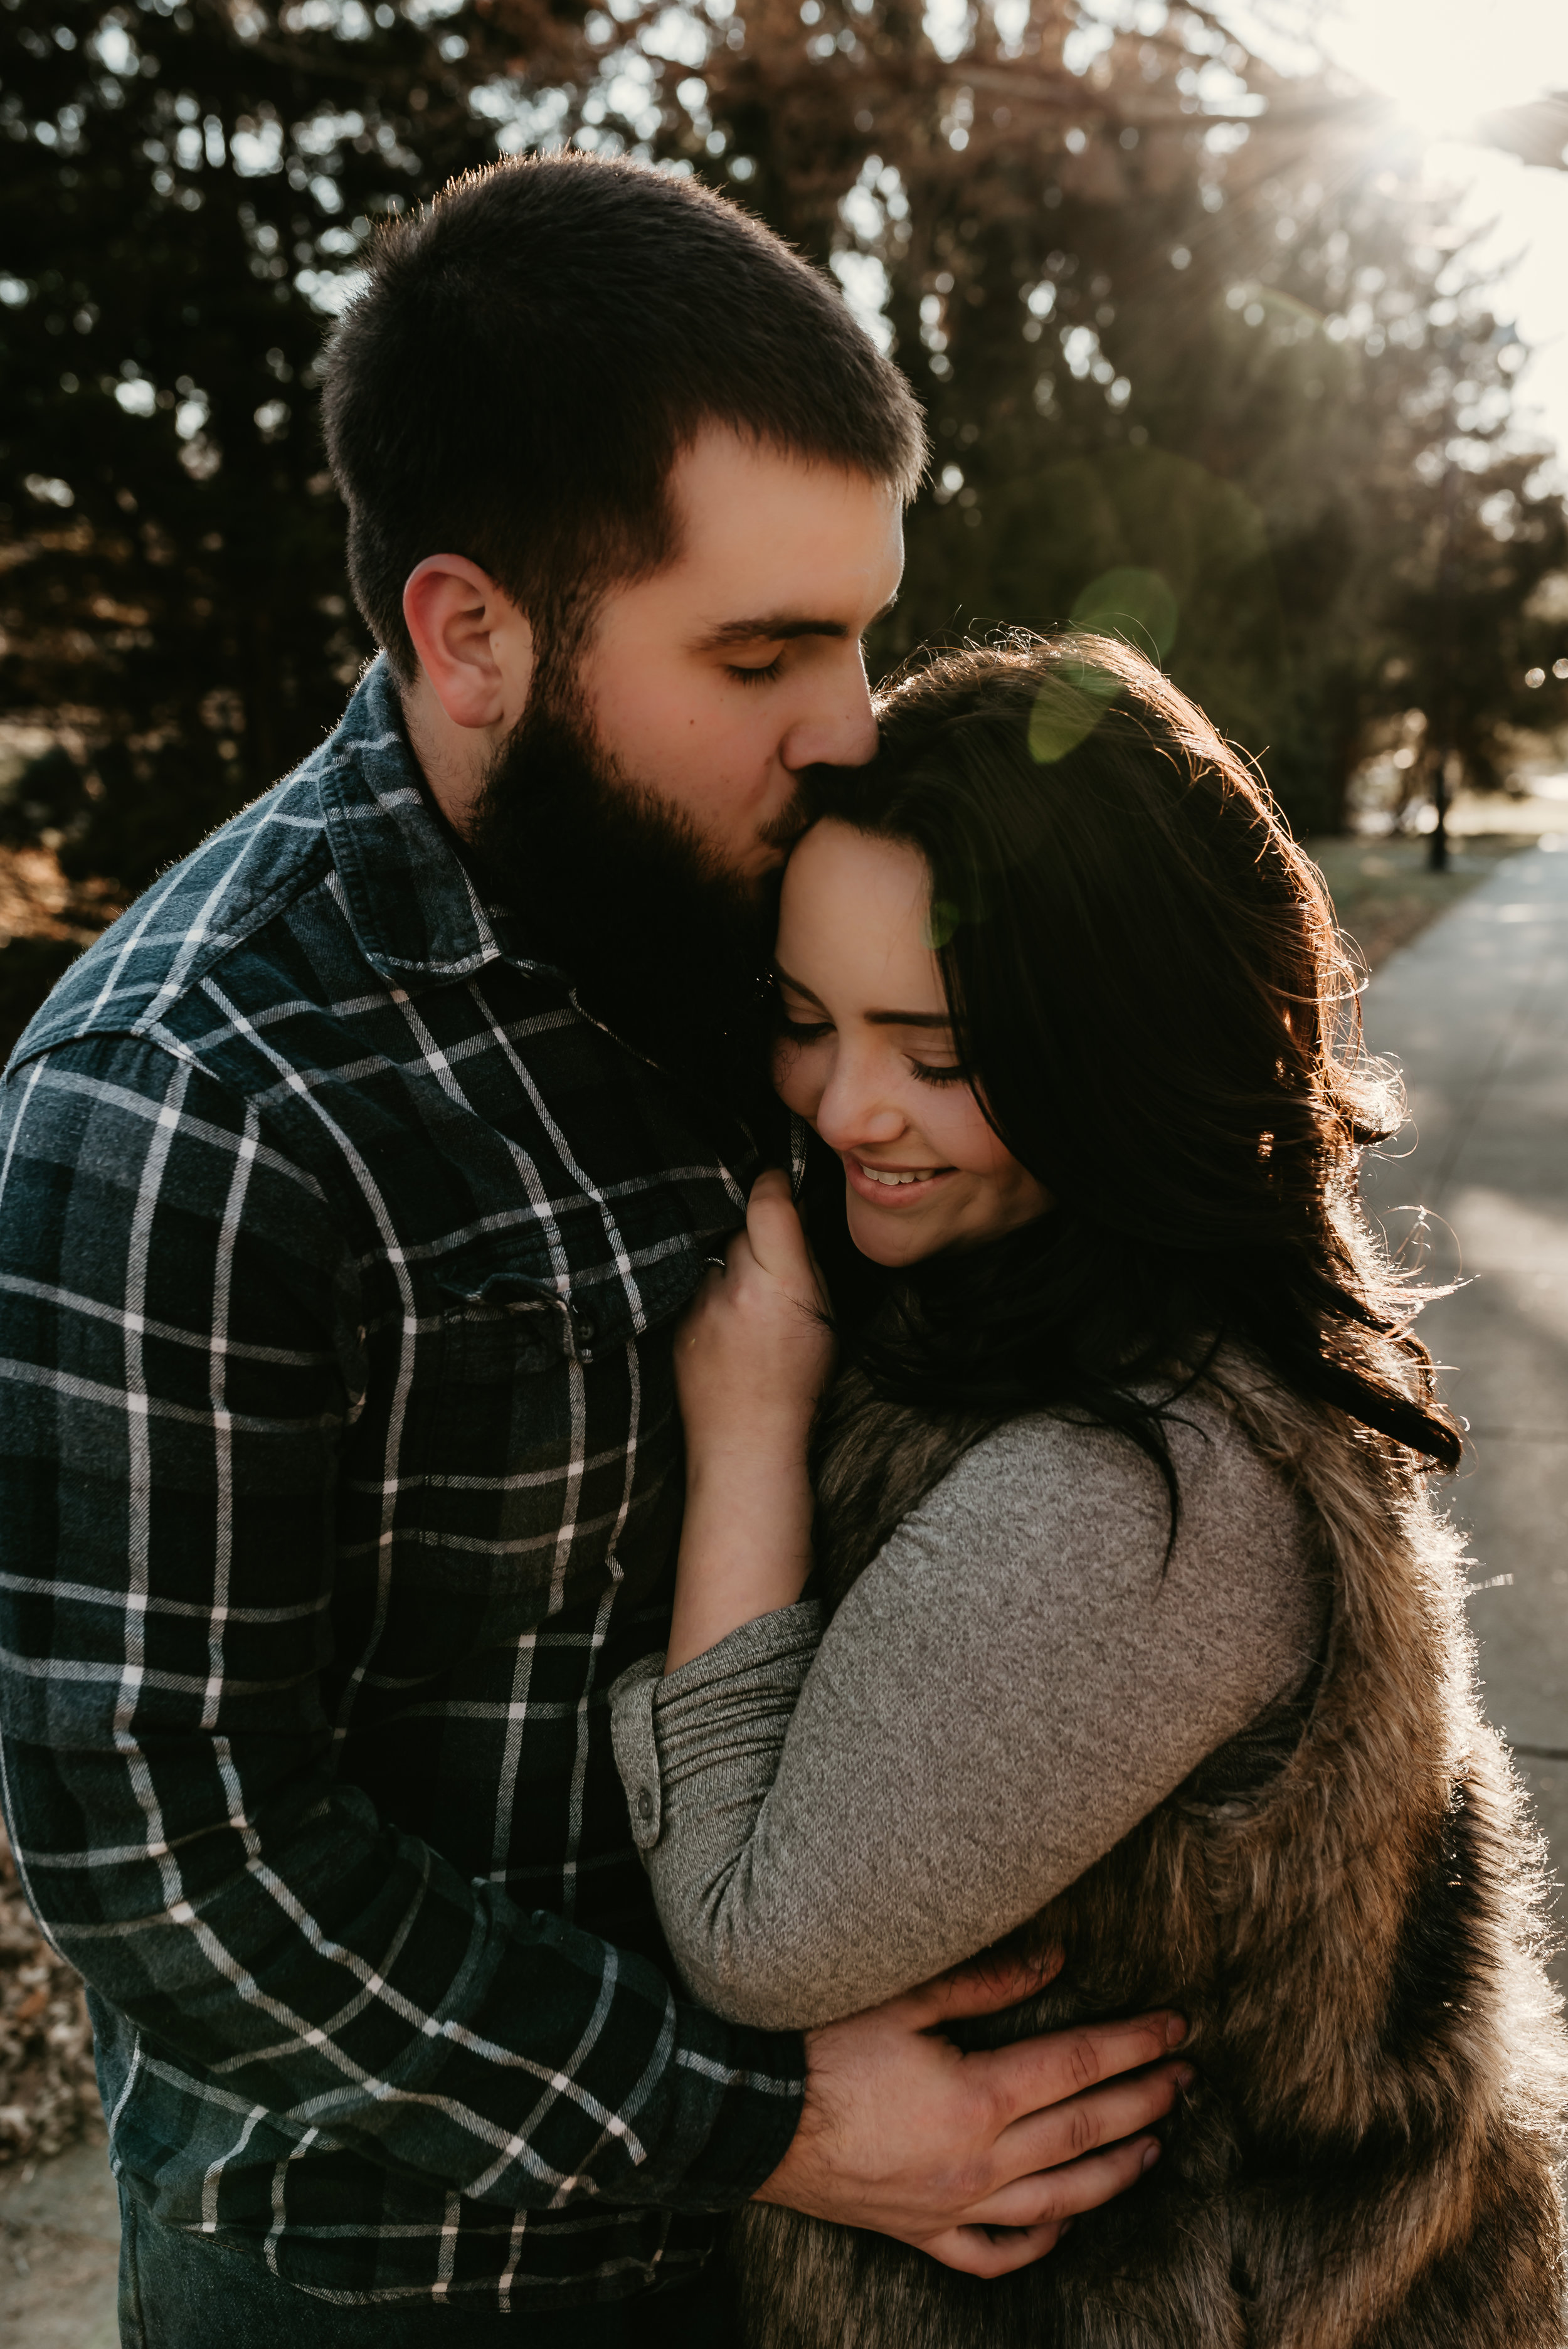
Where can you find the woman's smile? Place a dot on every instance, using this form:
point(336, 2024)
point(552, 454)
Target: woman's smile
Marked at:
point(893, 1186)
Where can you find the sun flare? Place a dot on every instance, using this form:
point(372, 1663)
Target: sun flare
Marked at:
point(1445, 62)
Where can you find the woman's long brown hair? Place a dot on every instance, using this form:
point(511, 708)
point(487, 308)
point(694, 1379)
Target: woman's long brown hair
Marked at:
point(1161, 1019)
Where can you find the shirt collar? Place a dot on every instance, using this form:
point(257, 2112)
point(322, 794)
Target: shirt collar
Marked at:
point(410, 897)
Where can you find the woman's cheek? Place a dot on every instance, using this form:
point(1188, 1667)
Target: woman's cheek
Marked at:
point(793, 1079)
point(955, 1126)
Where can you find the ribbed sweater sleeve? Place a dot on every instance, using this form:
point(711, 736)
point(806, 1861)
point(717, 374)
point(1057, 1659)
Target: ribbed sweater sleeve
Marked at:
point(829, 1816)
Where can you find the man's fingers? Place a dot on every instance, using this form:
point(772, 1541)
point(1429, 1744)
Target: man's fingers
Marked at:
point(1024, 2221)
point(1066, 2132)
point(975, 2251)
point(1052, 2195)
point(1033, 2072)
point(984, 1986)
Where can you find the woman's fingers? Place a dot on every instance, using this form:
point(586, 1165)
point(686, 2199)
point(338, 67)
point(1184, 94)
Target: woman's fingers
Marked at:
point(738, 1258)
point(774, 1230)
point(774, 1239)
point(1052, 2196)
point(771, 1184)
point(708, 1289)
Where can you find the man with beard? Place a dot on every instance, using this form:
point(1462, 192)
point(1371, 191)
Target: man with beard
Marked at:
point(351, 1187)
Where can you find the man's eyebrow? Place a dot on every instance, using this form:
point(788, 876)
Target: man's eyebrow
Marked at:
point(778, 628)
point(773, 627)
point(873, 1018)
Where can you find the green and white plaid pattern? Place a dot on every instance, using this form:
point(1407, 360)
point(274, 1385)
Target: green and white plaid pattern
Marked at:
point(338, 1257)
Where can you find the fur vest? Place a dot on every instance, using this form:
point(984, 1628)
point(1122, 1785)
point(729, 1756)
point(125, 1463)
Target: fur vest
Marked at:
point(1343, 1903)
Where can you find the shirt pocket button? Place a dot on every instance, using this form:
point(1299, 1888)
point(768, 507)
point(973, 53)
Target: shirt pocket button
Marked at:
point(644, 1804)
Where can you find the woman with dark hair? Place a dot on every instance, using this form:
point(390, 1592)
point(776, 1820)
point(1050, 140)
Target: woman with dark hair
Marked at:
point(1129, 1634)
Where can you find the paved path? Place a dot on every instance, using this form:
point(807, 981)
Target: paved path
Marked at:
point(59, 2253)
point(1476, 1012)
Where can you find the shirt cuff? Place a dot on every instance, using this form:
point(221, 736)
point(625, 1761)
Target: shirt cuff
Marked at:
point(662, 1728)
point(736, 2098)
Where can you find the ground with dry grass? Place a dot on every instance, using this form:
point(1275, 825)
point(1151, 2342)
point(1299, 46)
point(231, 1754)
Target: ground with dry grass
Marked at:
point(48, 2094)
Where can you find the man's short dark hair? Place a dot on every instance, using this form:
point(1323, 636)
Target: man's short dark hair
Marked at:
point(537, 347)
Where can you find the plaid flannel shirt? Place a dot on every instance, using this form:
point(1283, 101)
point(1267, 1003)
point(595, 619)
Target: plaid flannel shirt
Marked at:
point(339, 1252)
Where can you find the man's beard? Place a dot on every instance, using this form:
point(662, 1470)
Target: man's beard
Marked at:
point(663, 943)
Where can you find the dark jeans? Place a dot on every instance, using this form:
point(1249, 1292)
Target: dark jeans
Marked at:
point(177, 2291)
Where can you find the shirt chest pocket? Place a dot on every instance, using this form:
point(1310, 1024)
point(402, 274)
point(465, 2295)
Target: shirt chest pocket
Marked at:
point(549, 1437)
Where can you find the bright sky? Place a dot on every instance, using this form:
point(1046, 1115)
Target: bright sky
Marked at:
point(1444, 62)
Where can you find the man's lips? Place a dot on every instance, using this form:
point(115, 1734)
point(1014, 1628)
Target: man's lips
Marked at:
point(891, 1186)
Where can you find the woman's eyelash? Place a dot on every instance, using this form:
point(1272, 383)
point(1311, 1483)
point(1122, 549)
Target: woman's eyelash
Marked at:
point(811, 1032)
point(757, 676)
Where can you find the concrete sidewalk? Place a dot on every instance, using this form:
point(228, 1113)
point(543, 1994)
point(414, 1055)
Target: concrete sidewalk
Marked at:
point(59, 2253)
point(1476, 1012)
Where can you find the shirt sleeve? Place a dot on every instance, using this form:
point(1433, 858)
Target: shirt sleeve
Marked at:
point(178, 1358)
point(1017, 1680)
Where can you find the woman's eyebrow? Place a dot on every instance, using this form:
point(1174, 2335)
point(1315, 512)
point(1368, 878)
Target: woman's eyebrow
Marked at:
point(908, 1019)
point(782, 976)
point(873, 1019)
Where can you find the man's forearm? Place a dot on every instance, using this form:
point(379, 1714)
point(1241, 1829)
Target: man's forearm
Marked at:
point(311, 1961)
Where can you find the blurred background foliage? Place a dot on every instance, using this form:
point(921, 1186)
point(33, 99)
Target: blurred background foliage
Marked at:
point(1206, 360)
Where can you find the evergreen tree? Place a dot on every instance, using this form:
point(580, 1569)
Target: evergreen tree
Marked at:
point(185, 187)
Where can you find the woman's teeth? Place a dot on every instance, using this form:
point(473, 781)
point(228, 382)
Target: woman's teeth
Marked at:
point(898, 1175)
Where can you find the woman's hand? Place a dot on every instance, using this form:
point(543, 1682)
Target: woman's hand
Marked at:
point(752, 1356)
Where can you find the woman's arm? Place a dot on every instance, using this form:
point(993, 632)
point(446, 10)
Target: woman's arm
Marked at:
point(752, 1356)
point(1009, 1687)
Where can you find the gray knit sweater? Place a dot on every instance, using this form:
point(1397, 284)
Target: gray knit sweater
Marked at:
point(829, 1816)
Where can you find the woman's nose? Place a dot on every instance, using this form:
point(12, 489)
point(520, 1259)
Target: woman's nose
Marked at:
point(849, 1115)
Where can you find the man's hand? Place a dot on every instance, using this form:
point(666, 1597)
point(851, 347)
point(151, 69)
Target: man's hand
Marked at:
point(903, 2134)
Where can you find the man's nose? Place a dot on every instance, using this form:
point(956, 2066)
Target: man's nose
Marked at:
point(841, 732)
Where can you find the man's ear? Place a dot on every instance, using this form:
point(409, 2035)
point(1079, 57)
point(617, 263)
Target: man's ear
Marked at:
point(474, 645)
